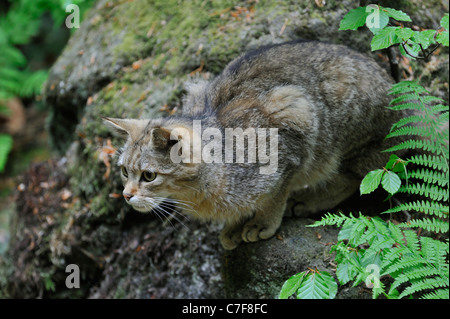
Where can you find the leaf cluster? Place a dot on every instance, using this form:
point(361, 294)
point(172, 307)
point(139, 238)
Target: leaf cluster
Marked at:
point(17, 28)
point(385, 34)
point(426, 131)
point(311, 284)
point(418, 265)
point(370, 249)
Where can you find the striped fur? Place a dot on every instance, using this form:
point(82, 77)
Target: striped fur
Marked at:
point(328, 104)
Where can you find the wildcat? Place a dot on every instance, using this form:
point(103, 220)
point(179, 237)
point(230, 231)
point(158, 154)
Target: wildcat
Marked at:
point(328, 104)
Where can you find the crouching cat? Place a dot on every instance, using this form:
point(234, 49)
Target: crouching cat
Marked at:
point(326, 107)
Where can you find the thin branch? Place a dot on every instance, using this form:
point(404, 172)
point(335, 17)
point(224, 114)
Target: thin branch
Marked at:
point(425, 55)
point(395, 71)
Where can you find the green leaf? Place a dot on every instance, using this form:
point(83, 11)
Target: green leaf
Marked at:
point(377, 19)
point(442, 38)
point(6, 143)
point(424, 38)
point(347, 230)
point(291, 285)
point(397, 14)
point(393, 159)
point(391, 182)
point(354, 19)
point(319, 285)
point(344, 272)
point(404, 33)
point(385, 38)
point(444, 22)
point(371, 181)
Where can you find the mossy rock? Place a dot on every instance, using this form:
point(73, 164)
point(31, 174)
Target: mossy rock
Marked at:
point(131, 59)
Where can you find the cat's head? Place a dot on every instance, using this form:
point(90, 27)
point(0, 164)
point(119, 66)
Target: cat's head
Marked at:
point(151, 162)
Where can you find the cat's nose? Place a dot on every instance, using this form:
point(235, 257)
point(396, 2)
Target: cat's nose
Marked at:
point(127, 196)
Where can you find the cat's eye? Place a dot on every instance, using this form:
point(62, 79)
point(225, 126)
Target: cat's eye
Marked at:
point(148, 176)
point(124, 171)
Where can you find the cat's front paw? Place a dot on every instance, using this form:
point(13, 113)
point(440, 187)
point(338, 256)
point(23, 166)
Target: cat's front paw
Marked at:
point(230, 239)
point(255, 230)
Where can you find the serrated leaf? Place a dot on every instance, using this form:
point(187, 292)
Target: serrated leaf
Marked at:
point(442, 38)
point(317, 285)
point(291, 285)
point(391, 182)
point(392, 159)
point(354, 19)
point(371, 181)
point(344, 272)
point(397, 14)
point(385, 38)
point(346, 230)
point(444, 22)
point(377, 19)
point(404, 33)
point(424, 38)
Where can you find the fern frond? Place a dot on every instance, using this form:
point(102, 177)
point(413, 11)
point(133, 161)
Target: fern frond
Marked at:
point(432, 161)
point(357, 233)
point(407, 106)
point(412, 240)
point(411, 120)
point(435, 252)
point(428, 283)
point(426, 145)
point(405, 97)
point(437, 294)
point(396, 233)
point(412, 130)
point(332, 219)
point(429, 99)
point(406, 87)
point(440, 108)
point(405, 262)
point(433, 225)
point(32, 83)
point(426, 207)
point(442, 118)
point(431, 176)
point(414, 274)
point(435, 193)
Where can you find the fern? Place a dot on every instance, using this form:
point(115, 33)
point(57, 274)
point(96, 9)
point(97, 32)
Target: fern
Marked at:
point(422, 264)
point(426, 207)
point(435, 162)
point(18, 25)
point(432, 174)
point(332, 219)
point(370, 249)
point(432, 225)
point(417, 264)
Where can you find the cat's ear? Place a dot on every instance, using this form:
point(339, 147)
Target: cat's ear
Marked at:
point(161, 137)
point(126, 127)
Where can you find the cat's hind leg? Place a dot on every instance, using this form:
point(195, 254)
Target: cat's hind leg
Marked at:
point(311, 200)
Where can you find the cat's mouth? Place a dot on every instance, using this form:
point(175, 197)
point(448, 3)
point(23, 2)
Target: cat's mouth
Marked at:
point(141, 208)
point(148, 204)
point(141, 205)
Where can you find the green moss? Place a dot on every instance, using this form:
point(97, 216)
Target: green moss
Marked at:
point(170, 30)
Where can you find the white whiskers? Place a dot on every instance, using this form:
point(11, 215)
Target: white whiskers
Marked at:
point(169, 208)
